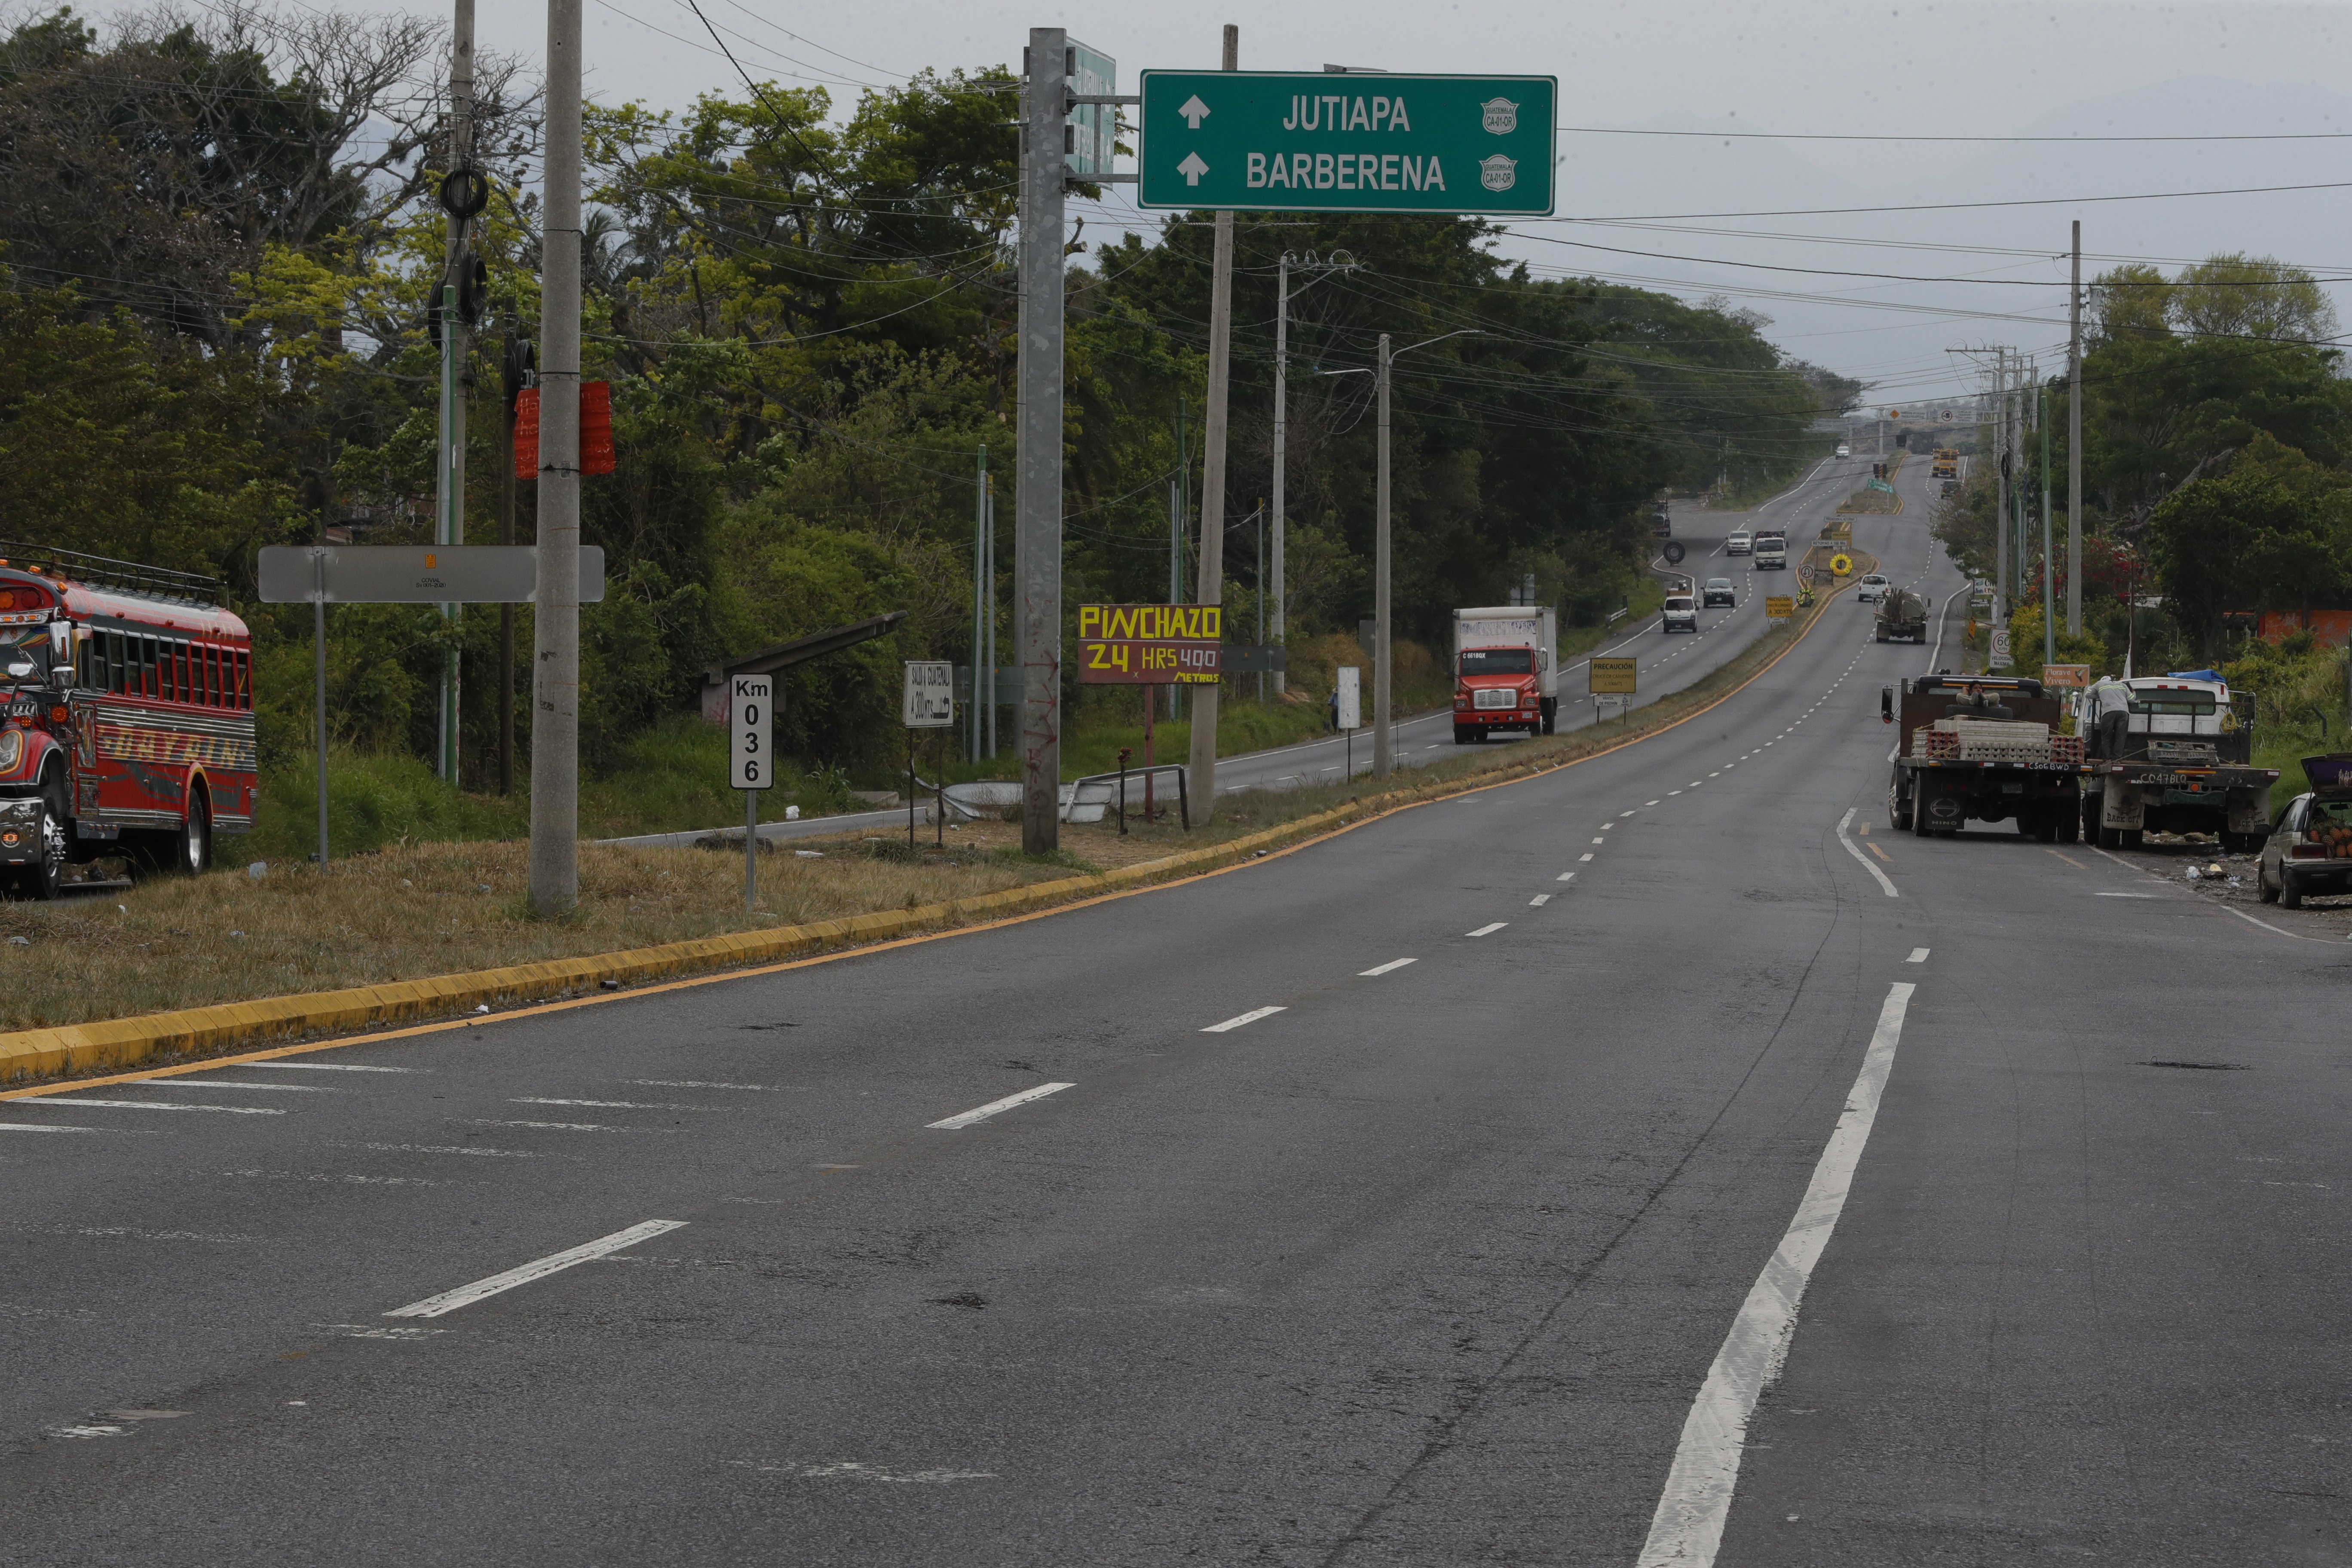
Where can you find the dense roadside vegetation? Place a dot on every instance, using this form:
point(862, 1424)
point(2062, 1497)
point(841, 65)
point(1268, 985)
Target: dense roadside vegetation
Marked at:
point(222, 239)
point(2217, 470)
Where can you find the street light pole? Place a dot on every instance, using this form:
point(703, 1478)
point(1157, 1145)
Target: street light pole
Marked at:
point(1384, 746)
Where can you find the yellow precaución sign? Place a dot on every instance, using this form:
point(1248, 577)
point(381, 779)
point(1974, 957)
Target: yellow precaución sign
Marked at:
point(1613, 677)
point(1779, 606)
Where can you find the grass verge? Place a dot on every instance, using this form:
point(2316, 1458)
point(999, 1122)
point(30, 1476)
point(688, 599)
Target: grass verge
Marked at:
point(428, 914)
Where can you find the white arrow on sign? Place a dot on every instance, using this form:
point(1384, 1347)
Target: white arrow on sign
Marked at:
point(1191, 168)
point(1193, 112)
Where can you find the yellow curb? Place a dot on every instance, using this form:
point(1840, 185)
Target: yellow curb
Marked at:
point(120, 1042)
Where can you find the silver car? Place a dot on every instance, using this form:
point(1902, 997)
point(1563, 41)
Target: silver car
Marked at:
point(1870, 590)
point(2309, 851)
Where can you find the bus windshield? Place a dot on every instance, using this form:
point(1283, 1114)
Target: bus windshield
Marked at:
point(1499, 661)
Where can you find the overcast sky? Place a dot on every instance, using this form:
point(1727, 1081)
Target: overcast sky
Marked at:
point(1892, 73)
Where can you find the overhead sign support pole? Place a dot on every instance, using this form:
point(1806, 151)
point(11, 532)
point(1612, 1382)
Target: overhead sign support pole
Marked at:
point(1212, 589)
point(1037, 524)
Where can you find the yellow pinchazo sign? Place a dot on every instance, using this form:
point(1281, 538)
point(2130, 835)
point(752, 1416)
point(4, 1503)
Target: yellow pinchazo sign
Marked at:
point(1149, 645)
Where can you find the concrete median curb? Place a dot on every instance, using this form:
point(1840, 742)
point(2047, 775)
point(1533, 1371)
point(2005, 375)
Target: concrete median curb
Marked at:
point(30, 1055)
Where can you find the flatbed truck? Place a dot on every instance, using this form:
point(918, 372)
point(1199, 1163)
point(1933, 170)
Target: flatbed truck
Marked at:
point(1980, 748)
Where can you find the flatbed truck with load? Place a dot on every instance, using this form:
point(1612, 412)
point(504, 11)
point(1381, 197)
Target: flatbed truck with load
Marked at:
point(1504, 674)
point(1983, 749)
point(2168, 756)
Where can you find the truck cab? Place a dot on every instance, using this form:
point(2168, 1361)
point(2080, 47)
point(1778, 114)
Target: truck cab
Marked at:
point(1503, 672)
point(1771, 550)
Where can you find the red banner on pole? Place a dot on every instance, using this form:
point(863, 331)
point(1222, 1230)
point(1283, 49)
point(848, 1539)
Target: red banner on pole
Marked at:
point(595, 429)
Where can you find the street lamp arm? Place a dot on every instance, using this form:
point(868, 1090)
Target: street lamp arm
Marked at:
point(1465, 332)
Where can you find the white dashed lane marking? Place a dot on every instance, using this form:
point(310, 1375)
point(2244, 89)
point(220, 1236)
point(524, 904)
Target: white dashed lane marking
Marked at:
point(1393, 963)
point(1252, 1017)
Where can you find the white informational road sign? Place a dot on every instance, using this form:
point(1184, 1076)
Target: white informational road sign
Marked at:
point(1351, 697)
point(415, 573)
point(928, 701)
point(749, 700)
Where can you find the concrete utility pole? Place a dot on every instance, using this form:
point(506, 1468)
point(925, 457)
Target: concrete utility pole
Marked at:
point(2075, 443)
point(1281, 418)
point(1212, 590)
point(555, 673)
point(2049, 605)
point(1037, 508)
point(449, 511)
point(983, 679)
point(1381, 743)
point(2000, 471)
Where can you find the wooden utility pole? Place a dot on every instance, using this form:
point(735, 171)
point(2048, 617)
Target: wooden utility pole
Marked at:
point(555, 674)
point(1212, 590)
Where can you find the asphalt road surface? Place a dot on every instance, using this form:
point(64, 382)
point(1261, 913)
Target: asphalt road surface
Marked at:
point(1667, 663)
point(1653, 1161)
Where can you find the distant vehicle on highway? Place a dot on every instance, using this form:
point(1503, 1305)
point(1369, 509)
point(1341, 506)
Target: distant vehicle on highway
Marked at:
point(1771, 550)
point(1902, 616)
point(1680, 615)
point(1716, 592)
point(1870, 590)
point(1844, 450)
point(1950, 486)
point(1662, 517)
point(2310, 849)
point(1740, 542)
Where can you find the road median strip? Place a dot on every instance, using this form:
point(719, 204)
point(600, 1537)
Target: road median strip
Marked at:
point(34, 1059)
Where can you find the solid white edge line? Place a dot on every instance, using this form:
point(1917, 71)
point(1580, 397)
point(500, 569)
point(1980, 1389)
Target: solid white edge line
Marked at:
point(1853, 849)
point(982, 1113)
point(158, 1105)
point(1687, 1529)
point(1393, 963)
point(466, 1295)
point(2266, 925)
point(1252, 1017)
point(329, 1067)
point(36, 1127)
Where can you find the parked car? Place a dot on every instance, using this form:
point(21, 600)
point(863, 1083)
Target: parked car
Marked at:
point(1871, 589)
point(1716, 592)
point(2310, 847)
point(1681, 613)
point(1739, 543)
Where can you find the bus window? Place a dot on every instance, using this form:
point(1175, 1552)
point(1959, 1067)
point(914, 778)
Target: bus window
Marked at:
point(244, 683)
point(150, 668)
point(211, 676)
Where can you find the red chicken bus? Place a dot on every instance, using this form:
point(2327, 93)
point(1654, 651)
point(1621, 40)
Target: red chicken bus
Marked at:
point(128, 715)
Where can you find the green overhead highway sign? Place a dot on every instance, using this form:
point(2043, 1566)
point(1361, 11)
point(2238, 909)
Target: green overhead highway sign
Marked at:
point(1325, 141)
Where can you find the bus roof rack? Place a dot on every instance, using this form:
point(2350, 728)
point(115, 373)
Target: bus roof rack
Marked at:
point(101, 572)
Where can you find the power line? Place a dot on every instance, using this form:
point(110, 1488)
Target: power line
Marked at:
point(1957, 207)
point(1828, 136)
